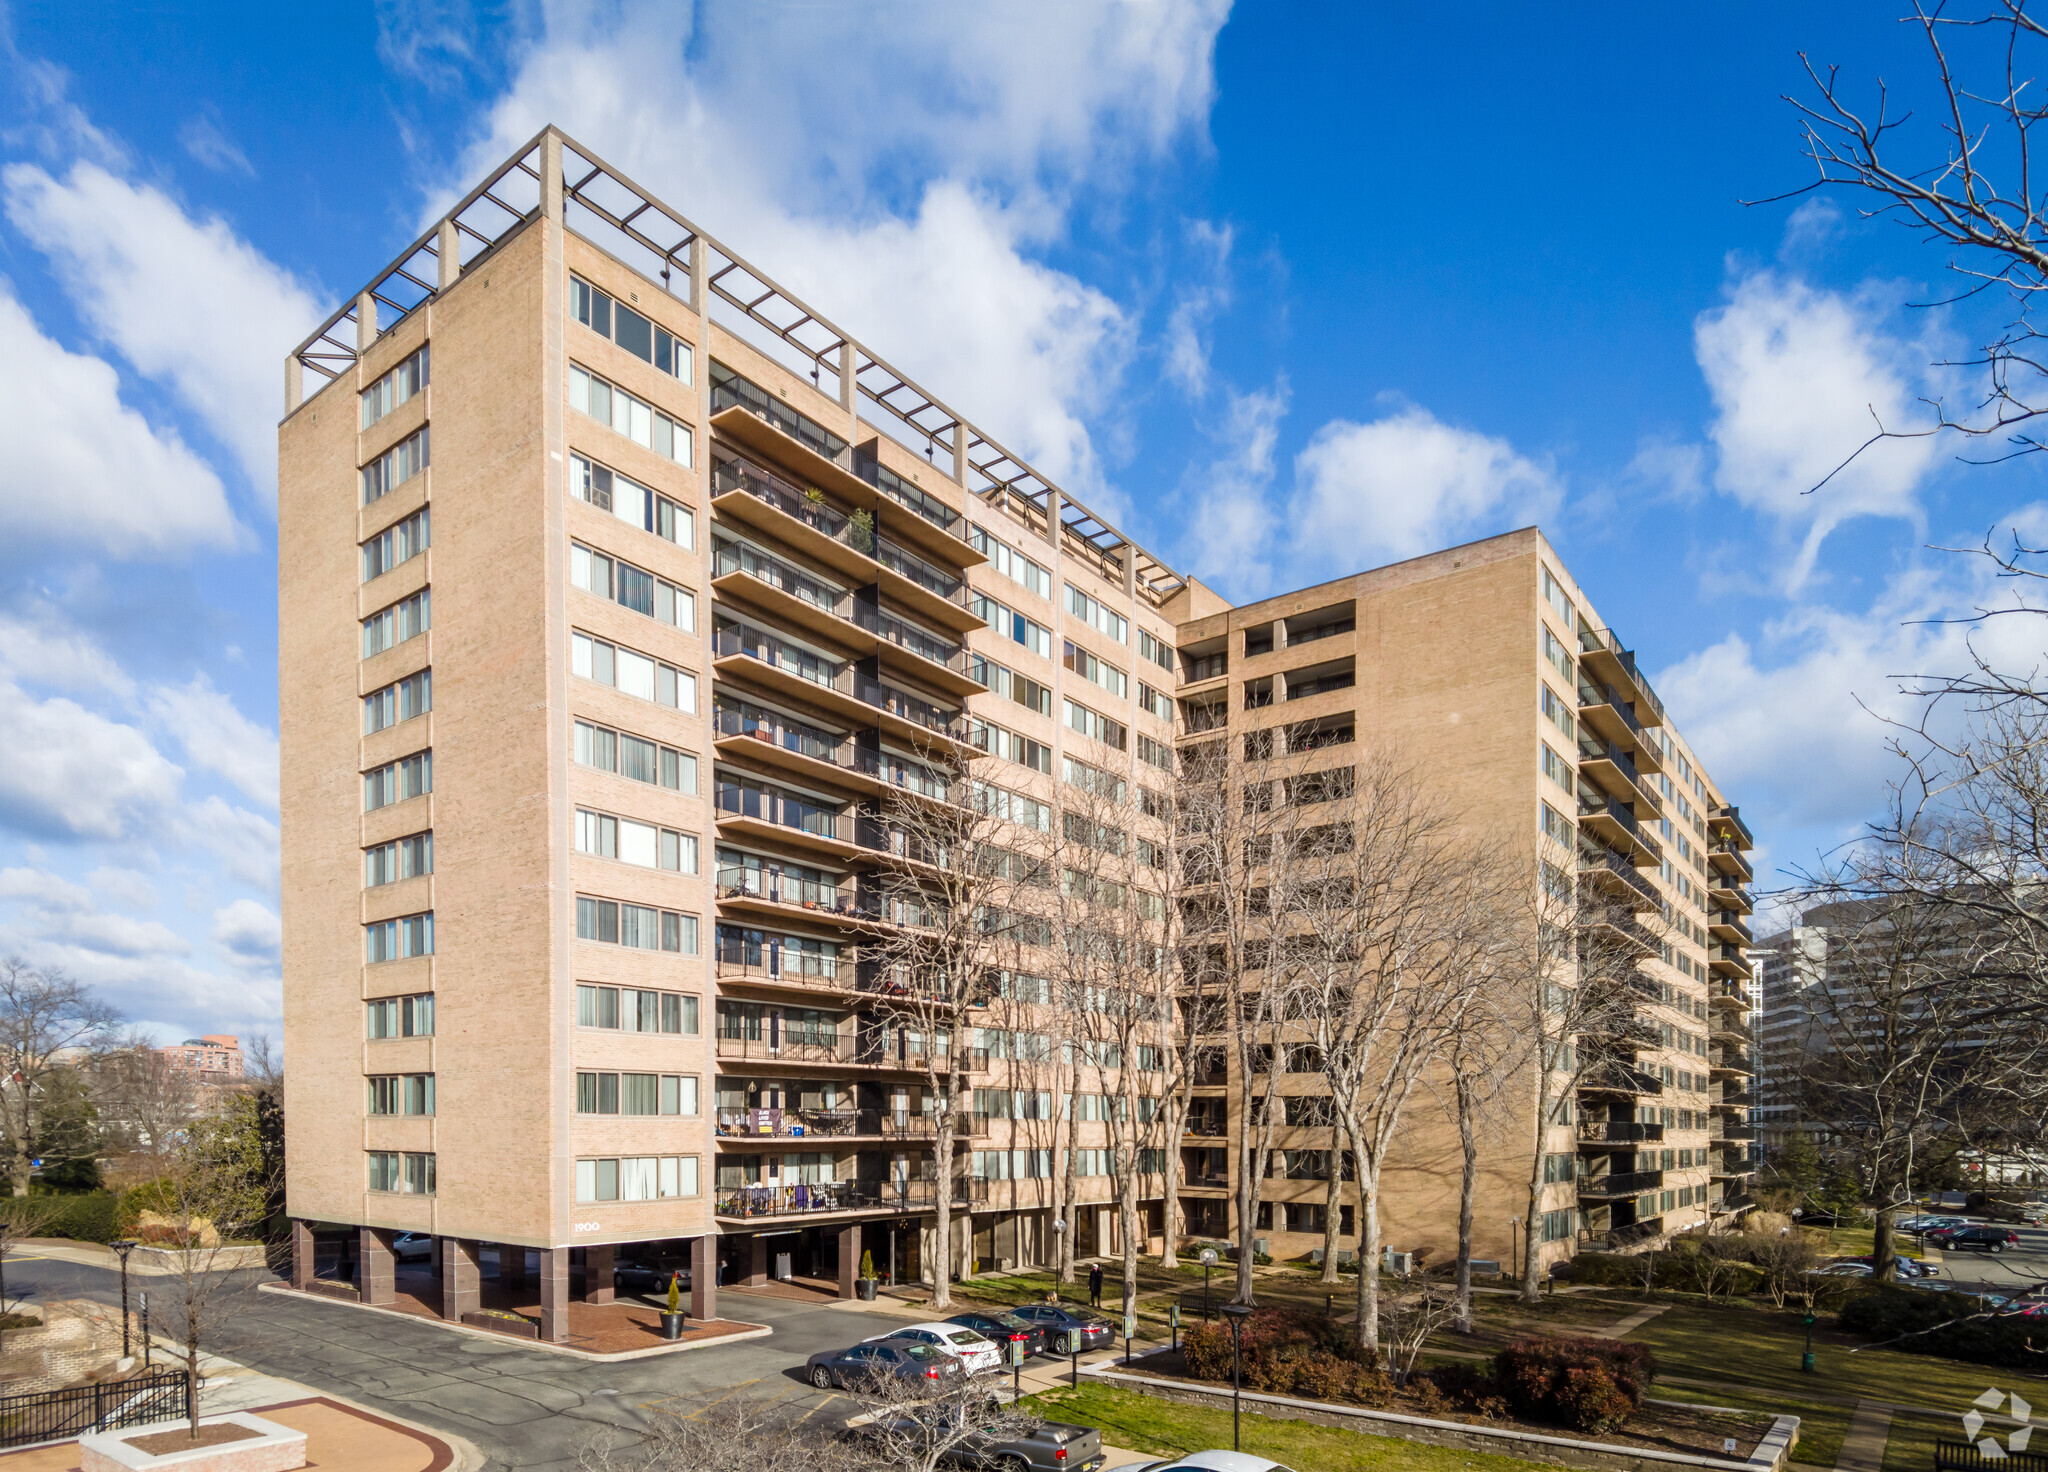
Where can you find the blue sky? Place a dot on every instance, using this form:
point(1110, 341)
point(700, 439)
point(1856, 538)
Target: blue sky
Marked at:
point(1284, 290)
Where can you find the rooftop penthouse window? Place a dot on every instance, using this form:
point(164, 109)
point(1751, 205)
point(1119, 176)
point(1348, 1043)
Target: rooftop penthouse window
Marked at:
point(636, 334)
point(1321, 623)
point(730, 391)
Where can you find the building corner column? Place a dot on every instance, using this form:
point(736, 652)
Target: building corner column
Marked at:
point(448, 255)
point(302, 1254)
point(376, 1266)
point(704, 1277)
point(294, 383)
point(461, 1283)
point(849, 1258)
point(366, 322)
point(554, 1294)
point(551, 175)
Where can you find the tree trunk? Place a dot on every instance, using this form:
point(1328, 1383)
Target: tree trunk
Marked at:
point(1884, 1252)
point(1368, 1335)
point(1070, 1190)
point(1333, 1201)
point(1467, 1183)
point(1169, 1239)
point(1127, 1211)
point(1527, 1267)
point(1247, 1211)
point(942, 1168)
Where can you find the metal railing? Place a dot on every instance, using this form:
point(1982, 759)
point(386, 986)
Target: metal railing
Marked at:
point(59, 1415)
point(773, 805)
point(1591, 696)
point(1321, 631)
point(742, 960)
point(1732, 921)
point(904, 636)
point(802, 1124)
point(734, 637)
point(800, 1200)
point(928, 508)
point(734, 557)
point(1619, 1131)
point(933, 579)
point(734, 392)
point(1625, 1183)
point(790, 1047)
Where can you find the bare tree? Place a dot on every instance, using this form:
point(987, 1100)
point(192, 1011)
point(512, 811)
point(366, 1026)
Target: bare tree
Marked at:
point(963, 895)
point(146, 1098)
point(922, 1425)
point(1478, 1055)
point(1409, 1314)
point(213, 1192)
point(735, 1434)
point(48, 1023)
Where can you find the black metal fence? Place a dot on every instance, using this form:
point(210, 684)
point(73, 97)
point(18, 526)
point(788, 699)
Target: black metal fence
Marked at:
point(1965, 1457)
point(58, 1415)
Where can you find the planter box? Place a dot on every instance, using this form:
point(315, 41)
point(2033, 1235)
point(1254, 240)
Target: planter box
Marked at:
point(518, 1328)
point(273, 1448)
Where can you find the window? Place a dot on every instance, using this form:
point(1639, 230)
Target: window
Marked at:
point(1011, 563)
point(1556, 825)
point(628, 1010)
point(1558, 1226)
point(399, 940)
point(1097, 671)
point(1155, 753)
point(637, 420)
point(1011, 624)
point(1557, 654)
point(1559, 710)
point(401, 1017)
point(395, 466)
point(1092, 779)
point(633, 842)
point(640, 591)
point(621, 324)
point(636, 1178)
point(408, 777)
point(1009, 746)
point(641, 927)
point(403, 620)
point(399, 701)
point(402, 1093)
point(1097, 616)
point(635, 674)
point(1001, 802)
point(1157, 650)
point(1330, 785)
point(1554, 595)
point(395, 544)
point(395, 387)
point(402, 858)
point(1095, 724)
point(1007, 683)
point(636, 1093)
point(635, 757)
point(408, 1173)
point(631, 502)
point(1556, 768)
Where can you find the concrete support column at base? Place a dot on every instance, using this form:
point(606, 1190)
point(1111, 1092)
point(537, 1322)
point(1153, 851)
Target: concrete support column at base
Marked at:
point(757, 1260)
point(461, 1282)
point(302, 1254)
point(704, 1277)
point(849, 1258)
point(511, 1265)
point(375, 1265)
point(554, 1294)
point(597, 1274)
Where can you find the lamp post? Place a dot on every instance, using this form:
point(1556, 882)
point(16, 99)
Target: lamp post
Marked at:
point(1806, 1360)
point(122, 1247)
point(1514, 1249)
point(1208, 1262)
point(1237, 1313)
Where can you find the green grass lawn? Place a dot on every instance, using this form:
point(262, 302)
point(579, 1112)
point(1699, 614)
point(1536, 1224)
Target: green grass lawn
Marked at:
point(1169, 1429)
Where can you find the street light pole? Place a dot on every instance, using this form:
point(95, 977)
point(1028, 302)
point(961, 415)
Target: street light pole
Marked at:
point(1208, 1262)
point(122, 1247)
point(1237, 1313)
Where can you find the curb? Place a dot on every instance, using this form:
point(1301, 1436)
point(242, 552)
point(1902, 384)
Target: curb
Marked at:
point(752, 1331)
point(1769, 1454)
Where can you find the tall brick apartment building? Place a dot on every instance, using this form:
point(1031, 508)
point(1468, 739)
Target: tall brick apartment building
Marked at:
point(619, 591)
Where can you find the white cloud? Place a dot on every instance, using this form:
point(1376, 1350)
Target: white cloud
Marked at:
point(209, 145)
point(1185, 356)
point(73, 774)
point(186, 301)
point(63, 913)
point(39, 646)
point(1408, 484)
point(218, 738)
point(892, 168)
point(80, 468)
point(1228, 523)
point(1800, 379)
point(249, 930)
point(125, 887)
point(245, 842)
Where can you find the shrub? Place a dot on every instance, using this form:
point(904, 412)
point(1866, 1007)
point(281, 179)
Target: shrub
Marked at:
point(94, 1216)
point(1590, 1384)
point(1939, 1323)
point(1269, 1339)
point(1464, 1387)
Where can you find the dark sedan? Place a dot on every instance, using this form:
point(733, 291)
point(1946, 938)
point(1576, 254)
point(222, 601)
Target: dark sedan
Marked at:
point(1005, 1330)
point(1069, 1327)
point(634, 1275)
point(864, 1364)
point(1044, 1446)
point(1980, 1239)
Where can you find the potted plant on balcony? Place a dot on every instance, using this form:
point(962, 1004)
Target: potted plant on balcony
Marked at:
point(863, 531)
point(673, 1317)
point(864, 1286)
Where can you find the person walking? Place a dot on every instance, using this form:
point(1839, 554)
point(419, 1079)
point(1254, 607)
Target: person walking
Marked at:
point(1095, 1286)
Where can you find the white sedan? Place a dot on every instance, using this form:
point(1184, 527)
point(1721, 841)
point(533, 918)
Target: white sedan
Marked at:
point(976, 1352)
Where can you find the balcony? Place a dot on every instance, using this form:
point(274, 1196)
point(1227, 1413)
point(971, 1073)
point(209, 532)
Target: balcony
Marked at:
point(841, 1124)
point(1609, 713)
point(932, 525)
point(1615, 1187)
point(1729, 961)
point(1196, 669)
point(1618, 1078)
point(1297, 637)
point(1725, 1027)
point(1601, 653)
point(1732, 1163)
point(1615, 771)
point(1740, 1099)
point(1731, 1062)
point(1741, 1133)
point(802, 674)
point(1728, 859)
point(1626, 930)
point(756, 734)
point(886, 1048)
point(1729, 820)
point(748, 1203)
point(1728, 926)
point(1613, 872)
point(1206, 1126)
point(770, 964)
point(1728, 996)
point(1320, 680)
point(1596, 1133)
point(1729, 895)
point(1615, 825)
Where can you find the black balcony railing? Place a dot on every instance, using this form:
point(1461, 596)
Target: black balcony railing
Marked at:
point(1205, 667)
point(904, 636)
point(729, 390)
point(1618, 1078)
point(1593, 696)
point(735, 557)
point(785, 810)
point(768, 960)
point(928, 508)
point(1619, 1131)
point(831, 1196)
point(1618, 1184)
point(1320, 631)
point(824, 1124)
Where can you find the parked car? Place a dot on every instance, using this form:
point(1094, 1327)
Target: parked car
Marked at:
point(1976, 1239)
point(638, 1275)
point(852, 1369)
point(1920, 1226)
point(1841, 1270)
point(1069, 1327)
point(974, 1351)
point(1218, 1461)
point(413, 1247)
point(1050, 1446)
point(1909, 1267)
point(1004, 1330)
